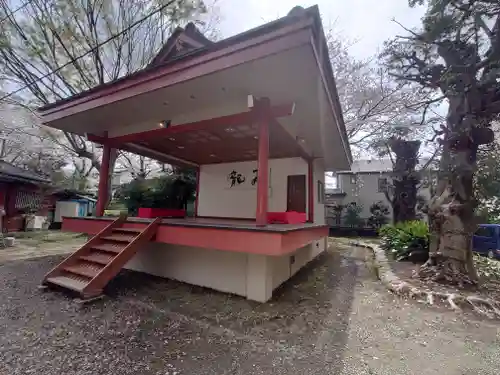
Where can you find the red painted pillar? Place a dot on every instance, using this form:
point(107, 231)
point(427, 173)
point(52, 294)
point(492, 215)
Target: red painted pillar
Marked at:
point(310, 189)
point(102, 192)
point(262, 109)
point(197, 199)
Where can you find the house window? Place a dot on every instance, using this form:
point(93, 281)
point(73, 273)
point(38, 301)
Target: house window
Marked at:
point(382, 185)
point(354, 180)
point(28, 200)
point(321, 192)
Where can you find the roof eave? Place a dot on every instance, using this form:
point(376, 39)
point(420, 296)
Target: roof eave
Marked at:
point(225, 43)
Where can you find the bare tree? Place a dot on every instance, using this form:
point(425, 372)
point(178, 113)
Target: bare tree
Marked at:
point(375, 106)
point(24, 144)
point(139, 167)
point(44, 35)
point(456, 56)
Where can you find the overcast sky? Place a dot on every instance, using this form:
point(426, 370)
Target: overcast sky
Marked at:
point(368, 22)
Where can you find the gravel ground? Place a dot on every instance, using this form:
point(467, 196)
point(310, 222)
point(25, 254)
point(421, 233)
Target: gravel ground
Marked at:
point(333, 318)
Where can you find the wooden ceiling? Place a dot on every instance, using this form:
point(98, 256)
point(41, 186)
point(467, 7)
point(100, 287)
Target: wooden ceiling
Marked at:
point(223, 144)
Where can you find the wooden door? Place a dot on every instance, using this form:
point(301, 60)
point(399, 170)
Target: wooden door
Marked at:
point(296, 193)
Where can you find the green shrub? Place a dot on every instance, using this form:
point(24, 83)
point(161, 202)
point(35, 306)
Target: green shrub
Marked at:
point(352, 214)
point(402, 239)
point(379, 215)
point(169, 191)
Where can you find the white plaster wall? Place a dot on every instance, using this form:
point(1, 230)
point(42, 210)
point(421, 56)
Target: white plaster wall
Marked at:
point(218, 199)
point(280, 270)
point(285, 267)
point(249, 275)
point(220, 270)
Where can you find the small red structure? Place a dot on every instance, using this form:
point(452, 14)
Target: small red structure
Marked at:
point(257, 115)
point(21, 191)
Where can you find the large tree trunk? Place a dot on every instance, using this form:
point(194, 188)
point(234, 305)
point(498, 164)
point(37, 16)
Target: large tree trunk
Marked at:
point(405, 180)
point(405, 199)
point(451, 210)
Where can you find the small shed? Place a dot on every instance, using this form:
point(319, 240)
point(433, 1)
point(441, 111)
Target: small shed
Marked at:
point(70, 203)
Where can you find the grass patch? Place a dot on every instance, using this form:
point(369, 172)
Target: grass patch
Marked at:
point(44, 236)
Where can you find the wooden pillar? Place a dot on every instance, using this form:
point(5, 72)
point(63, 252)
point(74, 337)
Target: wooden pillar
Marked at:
point(197, 199)
point(263, 115)
point(310, 191)
point(103, 189)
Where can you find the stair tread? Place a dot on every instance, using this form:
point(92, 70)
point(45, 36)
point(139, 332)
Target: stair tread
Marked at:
point(97, 258)
point(84, 269)
point(72, 283)
point(128, 230)
point(108, 247)
point(118, 238)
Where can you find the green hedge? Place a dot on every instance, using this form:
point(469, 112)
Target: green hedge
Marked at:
point(402, 239)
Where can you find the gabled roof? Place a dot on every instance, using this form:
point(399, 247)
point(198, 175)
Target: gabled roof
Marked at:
point(181, 42)
point(194, 46)
point(13, 173)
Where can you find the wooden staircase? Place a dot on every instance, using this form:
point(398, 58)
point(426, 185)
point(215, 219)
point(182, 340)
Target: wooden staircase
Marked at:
point(90, 268)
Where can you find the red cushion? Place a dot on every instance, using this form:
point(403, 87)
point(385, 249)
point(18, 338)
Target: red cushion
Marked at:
point(289, 217)
point(160, 212)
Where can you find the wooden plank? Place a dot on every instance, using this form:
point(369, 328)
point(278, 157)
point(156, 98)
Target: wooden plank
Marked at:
point(67, 282)
point(89, 270)
point(118, 238)
point(109, 247)
point(97, 258)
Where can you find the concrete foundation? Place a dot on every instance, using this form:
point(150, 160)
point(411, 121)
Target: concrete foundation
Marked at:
point(253, 276)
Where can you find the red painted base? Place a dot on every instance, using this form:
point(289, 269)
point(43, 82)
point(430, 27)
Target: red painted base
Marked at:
point(220, 238)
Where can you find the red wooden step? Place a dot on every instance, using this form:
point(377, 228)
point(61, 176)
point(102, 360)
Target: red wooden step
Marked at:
point(72, 282)
point(99, 258)
point(128, 230)
point(118, 238)
point(86, 269)
point(114, 248)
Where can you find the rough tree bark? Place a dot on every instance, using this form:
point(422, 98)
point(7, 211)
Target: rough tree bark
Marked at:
point(456, 56)
point(404, 179)
point(451, 210)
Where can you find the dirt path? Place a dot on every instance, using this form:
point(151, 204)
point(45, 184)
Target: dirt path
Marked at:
point(334, 318)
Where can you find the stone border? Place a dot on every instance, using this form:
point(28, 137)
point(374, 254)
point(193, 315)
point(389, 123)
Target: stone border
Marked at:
point(483, 307)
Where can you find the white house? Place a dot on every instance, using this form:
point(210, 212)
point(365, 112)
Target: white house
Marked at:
point(365, 183)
